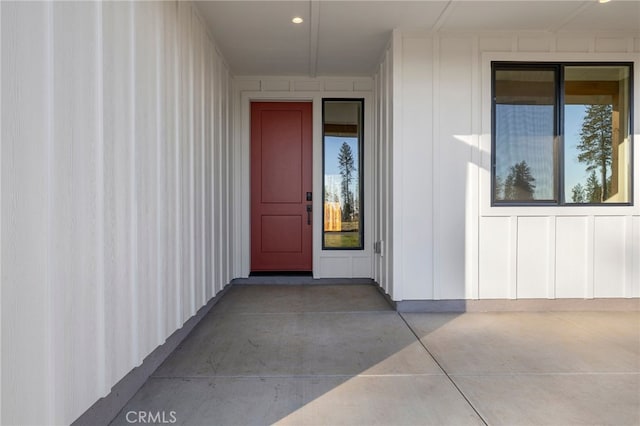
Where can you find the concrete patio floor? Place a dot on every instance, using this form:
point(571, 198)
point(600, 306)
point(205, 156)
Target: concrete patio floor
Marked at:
point(340, 355)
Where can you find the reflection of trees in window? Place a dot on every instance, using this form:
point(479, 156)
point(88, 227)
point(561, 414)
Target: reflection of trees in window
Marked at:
point(499, 186)
point(578, 194)
point(596, 149)
point(594, 190)
point(579, 149)
point(519, 184)
point(346, 166)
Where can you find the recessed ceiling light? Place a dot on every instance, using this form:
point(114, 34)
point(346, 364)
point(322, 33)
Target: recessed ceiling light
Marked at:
point(297, 20)
point(604, 1)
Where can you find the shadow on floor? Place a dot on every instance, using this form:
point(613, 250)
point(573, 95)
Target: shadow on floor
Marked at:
point(331, 354)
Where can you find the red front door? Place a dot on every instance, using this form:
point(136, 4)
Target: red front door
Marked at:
point(281, 161)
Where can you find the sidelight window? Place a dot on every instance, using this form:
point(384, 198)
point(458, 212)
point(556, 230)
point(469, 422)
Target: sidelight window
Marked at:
point(561, 134)
point(343, 174)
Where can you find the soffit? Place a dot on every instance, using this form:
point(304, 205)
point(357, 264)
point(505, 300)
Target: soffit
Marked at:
point(348, 37)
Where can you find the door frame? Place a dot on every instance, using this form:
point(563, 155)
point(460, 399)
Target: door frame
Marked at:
point(359, 261)
point(288, 116)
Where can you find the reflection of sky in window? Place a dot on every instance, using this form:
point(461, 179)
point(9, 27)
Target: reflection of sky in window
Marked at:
point(332, 146)
point(525, 133)
point(332, 178)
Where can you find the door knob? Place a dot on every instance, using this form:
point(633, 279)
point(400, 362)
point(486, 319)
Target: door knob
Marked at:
point(309, 210)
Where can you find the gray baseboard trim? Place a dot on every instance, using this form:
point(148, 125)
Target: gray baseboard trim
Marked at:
point(518, 305)
point(107, 408)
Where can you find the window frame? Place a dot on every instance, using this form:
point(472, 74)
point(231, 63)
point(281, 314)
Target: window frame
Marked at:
point(558, 67)
point(361, 173)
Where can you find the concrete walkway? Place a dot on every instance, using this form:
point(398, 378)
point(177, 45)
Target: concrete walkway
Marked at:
point(339, 355)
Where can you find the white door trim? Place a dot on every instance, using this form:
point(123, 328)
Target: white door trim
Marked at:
point(326, 264)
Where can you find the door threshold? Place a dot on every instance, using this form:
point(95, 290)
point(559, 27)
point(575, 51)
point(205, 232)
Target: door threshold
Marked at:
point(298, 280)
point(281, 274)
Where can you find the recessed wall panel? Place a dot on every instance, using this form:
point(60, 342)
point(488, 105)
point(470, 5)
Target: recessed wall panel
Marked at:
point(572, 44)
point(609, 256)
point(495, 44)
point(635, 273)
point(335, 267)
point(534, 44)
point(533, 257)
point(571, 257)
point(611, 44)
point(495, 258)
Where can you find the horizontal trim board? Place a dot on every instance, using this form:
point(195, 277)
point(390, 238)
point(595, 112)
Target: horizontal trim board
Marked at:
point(520, 305)
point(107, 408)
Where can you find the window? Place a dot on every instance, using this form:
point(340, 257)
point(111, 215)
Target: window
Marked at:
point(561, 134)
point(343, 174)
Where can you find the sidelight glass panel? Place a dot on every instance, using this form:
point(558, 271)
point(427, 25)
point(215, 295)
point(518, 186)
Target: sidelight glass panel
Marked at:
point(597, 142)
point(343, 174)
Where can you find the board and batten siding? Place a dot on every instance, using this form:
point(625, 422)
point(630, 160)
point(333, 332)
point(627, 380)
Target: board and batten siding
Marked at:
point(448, 242)
point(115, 194)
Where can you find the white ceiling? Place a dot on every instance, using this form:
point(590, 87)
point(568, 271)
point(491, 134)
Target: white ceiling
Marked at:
point(348, 37)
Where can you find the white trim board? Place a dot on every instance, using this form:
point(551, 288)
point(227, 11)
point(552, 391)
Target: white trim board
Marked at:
point(326, 263)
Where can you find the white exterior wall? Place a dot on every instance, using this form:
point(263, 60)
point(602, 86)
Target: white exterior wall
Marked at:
point(448, 241)
point(383, 176)
point(114, 194)
point(326, 263)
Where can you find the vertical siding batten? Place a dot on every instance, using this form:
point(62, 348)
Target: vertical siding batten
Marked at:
point(198, 156)
point(207, 170)
point(161, 284)
point(226, 181)
point(102, 370)
point(389, 242)
point(1, 205)
point(192, 170)
point(218, 177)
point(398, 182)
point(178, 90)
point(216, 89)
point(133, 197)
point(183, 149)
point(435, 171)
point(472, 240)
point(50, 285)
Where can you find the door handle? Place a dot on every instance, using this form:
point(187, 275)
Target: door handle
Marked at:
point(309, 210)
